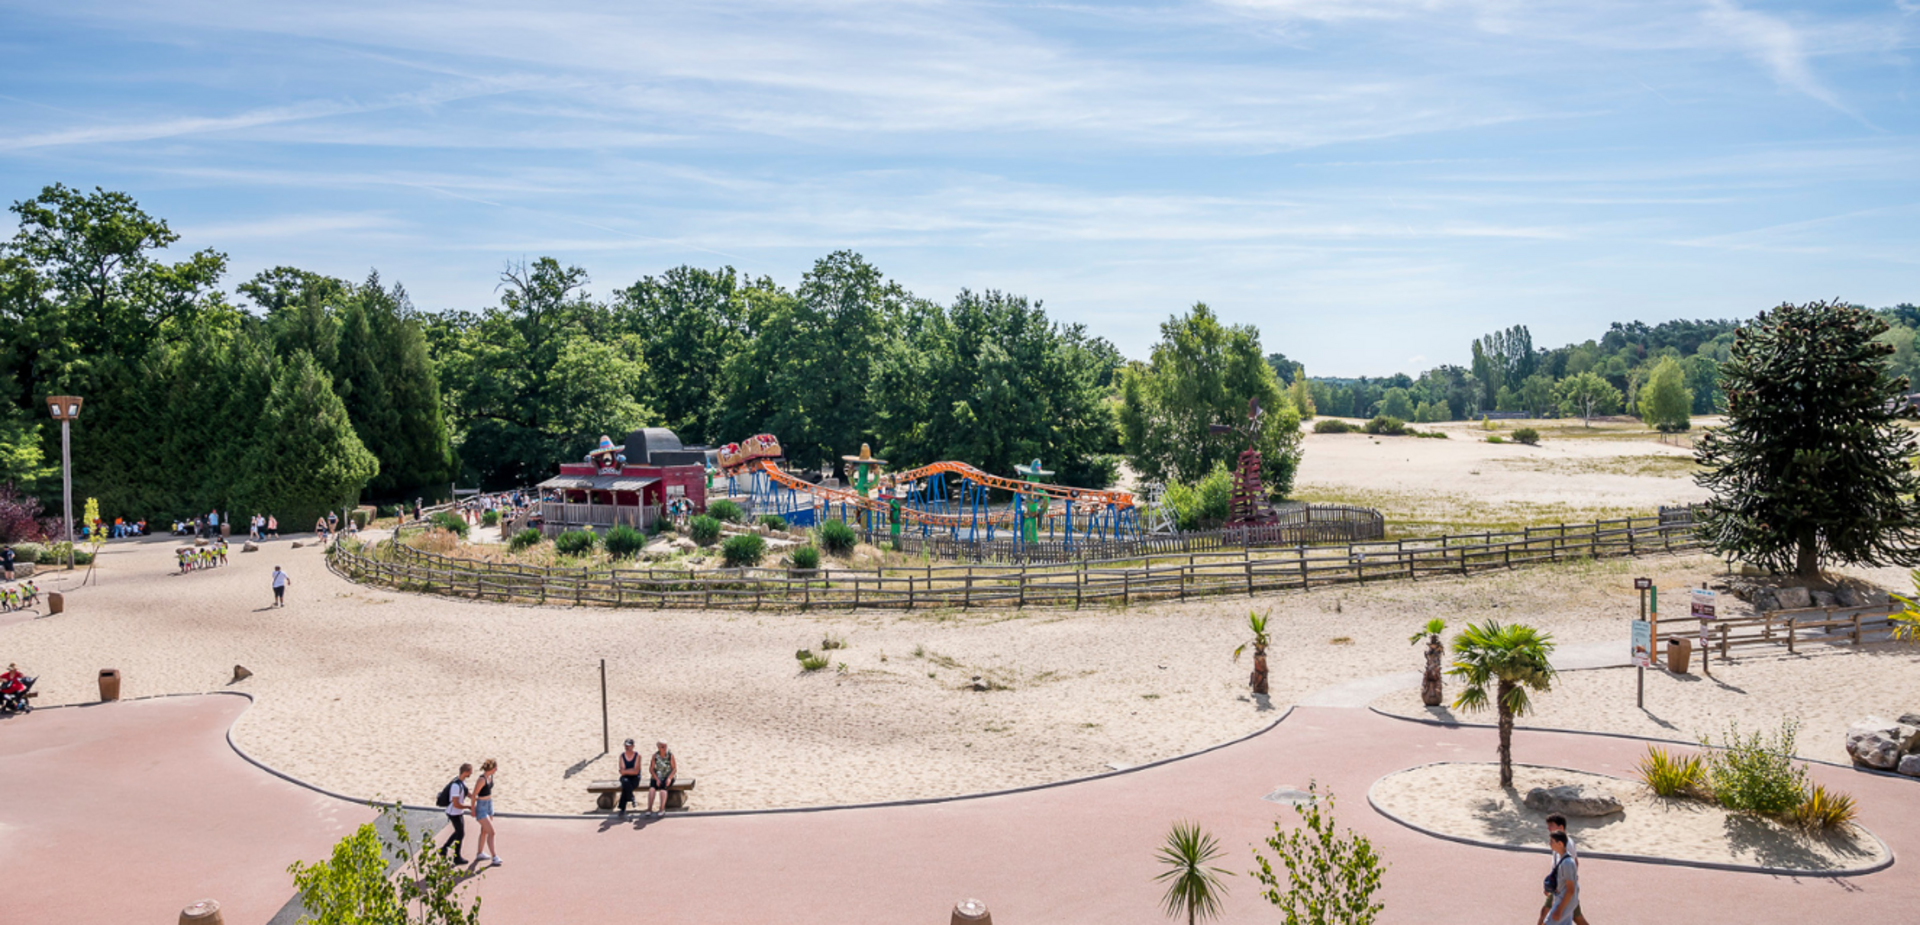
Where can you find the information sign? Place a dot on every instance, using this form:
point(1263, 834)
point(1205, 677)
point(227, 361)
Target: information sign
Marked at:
point(1703, 608)
point(1642, 584)
point(1642, 644)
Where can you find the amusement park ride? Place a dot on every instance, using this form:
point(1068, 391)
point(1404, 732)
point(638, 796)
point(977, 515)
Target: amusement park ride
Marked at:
point(951, 499)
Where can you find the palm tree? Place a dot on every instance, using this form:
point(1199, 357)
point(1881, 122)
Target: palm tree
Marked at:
point(1258, 623)
point(1514, 659)
point(1430, 690)
point(1195, 888)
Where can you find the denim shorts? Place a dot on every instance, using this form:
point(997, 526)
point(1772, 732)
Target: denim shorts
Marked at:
point(483, 809)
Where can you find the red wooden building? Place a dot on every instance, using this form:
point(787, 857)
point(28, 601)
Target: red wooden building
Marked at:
point(631, 484)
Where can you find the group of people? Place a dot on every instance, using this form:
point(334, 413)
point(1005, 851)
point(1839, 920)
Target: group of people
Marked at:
point(1562, 883)
point(119, 528)
point(194, 558)
point(328, 527)
point(462, 799)
point(660, 770)
point(14, 689)
point(19, 597)
point(260, 527)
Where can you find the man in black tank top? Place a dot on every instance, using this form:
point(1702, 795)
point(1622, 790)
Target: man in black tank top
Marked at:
point(629, 776)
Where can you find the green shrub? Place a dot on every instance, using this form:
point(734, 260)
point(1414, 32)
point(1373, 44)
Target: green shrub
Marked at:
point(1206, 503)
point(523, 540)
point(1755, 773)
point(450, 522)
point(1332, 426)
point(360, 518)
point(1387, 426)
point(489, 518)
point(30, 552)
point(1496, 438)
point(743, 550)
point(623, 541)
point(1527, 435)
point(837, 538)
point(805, 557)
point(809, 661)
point(50, 554)
point(1823, 809)
point(773, 521)
point(726, 510)
point(832, 642)
point(575, 542)
point(704, 528)
point(1671, 775)
point(1427, 434)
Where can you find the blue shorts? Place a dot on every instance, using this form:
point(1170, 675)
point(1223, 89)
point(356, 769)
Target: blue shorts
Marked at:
point(483, 809)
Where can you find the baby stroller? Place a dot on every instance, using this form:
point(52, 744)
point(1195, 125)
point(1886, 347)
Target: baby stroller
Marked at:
point(13, 693)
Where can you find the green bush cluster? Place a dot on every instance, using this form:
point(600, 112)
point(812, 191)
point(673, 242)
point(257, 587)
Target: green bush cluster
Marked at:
point(490, 518)
point(525, 539)
point(450, 522)
point(1206, 503)
point(623, 542)
point(575, 542)
point(743, 550)
point(1385, 426)
point(1527, 435)
point(805, 557)
point(773, 521)
point(809, 661)
point(50, 554)
point(1496, 438)
point(704, 529)
point(1671, 775)
point(1332, 426)
point(1755, 772)
point(726, 510)
point(837, 538)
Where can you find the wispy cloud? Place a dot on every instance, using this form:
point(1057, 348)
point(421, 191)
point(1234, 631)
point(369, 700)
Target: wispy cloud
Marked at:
point(1774, 43)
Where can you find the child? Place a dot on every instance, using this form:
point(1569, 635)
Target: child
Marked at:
point(180, 557)
point(32, 594)
point(223, 552)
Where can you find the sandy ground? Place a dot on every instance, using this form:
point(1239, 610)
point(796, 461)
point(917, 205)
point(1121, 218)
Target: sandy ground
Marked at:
point(1825, 688)
point(1429, 486)
point(376, 693)
point(1466, 800)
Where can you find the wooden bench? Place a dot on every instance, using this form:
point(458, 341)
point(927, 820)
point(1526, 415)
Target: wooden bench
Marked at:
point(609, 792)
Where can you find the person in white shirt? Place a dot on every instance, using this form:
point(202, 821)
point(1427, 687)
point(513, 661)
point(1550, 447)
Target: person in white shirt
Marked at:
point(280, 583)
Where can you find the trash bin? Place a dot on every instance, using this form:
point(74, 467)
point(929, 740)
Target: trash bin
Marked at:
point(1679, 654)
point(204, 912)
point(109, 684)
point(56, 603)
point(971, 912)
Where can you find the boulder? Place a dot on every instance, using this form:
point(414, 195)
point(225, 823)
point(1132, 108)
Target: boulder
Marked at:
point(1848, 597)
point(199, 541)
point(1877, 742)
point(1909, 765)
point(23, 570)
point(1876, 597)
point(249, 546)
point(1792, 598)
point(1823, 598)
point(1763, 600)
point(1911, 719)
point(1573, 800)
point(240, 673)
point(297, 544)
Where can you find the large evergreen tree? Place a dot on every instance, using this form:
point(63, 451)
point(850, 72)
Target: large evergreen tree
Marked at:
point(1813, 462)
point(304, 458)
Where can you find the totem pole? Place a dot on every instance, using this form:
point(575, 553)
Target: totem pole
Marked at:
point(865, 475)
point(1036, 504)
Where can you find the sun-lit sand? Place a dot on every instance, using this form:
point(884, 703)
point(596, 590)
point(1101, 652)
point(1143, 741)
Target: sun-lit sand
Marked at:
point(1465, 800)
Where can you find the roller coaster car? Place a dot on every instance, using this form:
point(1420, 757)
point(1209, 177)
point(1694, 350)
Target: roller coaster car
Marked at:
point(760, 446)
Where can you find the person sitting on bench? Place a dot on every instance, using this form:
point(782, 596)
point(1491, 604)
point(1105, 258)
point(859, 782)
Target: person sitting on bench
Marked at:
point(663, 770)
point(629, 776)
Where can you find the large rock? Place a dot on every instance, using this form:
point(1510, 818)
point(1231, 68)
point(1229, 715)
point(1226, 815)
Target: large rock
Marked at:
point(1763, 600)
point(1911, 719)
point(1572, 800)
point(23, 570)
point(1878, 742)
point(249, 546)
point(1909, 765)
point(1824, 598)
point(1792, 598)
point(1849, 597)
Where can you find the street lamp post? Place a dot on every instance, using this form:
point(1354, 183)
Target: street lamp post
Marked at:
point(65, 409)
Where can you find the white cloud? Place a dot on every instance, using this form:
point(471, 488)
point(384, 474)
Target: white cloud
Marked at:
point(1775, 43)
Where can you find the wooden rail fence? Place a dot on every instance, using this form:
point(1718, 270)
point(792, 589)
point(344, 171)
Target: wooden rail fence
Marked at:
point(1144, 577)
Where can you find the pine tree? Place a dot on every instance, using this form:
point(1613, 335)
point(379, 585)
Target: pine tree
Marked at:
point(1813, 462)
point(304, 459)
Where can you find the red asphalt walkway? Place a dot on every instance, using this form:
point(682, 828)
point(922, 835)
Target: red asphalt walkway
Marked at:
point(126, 812)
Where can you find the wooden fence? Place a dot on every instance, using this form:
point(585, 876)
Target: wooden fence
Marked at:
point(1300, 525)
point(1789, 628)
point(1145, 577)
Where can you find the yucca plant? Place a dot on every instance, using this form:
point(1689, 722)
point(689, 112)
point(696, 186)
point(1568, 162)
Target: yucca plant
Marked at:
point(1671, 775)
point(1823, 809)
point(1431, 691)
point(1510, 659)
point(1193, 887)
point(1257, 622)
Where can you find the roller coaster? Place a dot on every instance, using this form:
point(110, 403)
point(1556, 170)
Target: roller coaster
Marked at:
point(951, 499)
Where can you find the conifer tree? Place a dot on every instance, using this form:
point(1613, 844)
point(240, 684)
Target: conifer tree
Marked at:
point(304, 459)
point(1813, 462)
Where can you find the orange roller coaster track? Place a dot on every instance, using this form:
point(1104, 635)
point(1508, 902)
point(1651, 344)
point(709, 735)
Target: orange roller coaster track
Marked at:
point(1079, 496)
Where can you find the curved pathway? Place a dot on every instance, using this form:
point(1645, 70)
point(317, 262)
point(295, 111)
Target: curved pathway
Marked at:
point(147, 796)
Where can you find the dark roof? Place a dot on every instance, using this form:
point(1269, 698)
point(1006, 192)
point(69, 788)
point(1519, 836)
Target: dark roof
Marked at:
point(658, 446)
point(598, 482)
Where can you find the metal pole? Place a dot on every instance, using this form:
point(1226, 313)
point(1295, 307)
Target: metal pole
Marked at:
point(66, 480)
point(1640, 671)
point(605, 742)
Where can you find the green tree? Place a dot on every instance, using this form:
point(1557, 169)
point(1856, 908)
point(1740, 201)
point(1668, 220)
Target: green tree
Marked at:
point(1814, 461)
point(1586, 395)
point(1194, 887)
point(1510, 659)
point(689, 322)
point(1397, 403)
point(353, 886)
point(1203, 373)
point(1665, 402)
point(1536, 395)
point(391, 391)
point(1331, 878)
point(304, 459)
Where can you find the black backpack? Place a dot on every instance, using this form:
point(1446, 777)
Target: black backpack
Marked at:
point(445, 799)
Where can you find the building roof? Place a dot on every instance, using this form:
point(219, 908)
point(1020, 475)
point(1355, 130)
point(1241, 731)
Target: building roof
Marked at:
point(598, 482)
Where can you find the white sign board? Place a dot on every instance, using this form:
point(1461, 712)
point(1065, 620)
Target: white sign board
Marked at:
point(1703, 602)
point(1642, 644)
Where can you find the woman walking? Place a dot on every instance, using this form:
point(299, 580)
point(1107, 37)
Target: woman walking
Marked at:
point(483, 813)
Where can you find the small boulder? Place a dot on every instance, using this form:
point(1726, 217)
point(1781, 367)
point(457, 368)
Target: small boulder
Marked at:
point(1792, 598)
point(1909, 765)
point(1877, 742)
point(240, 673)
point(1911, 719)
point(1848, 597)
point(199, 541)
point(1823, 598)
point(1763, 600)
point(1573, 800)
point(249, 546)
point(297, 544)
point(1876, 597)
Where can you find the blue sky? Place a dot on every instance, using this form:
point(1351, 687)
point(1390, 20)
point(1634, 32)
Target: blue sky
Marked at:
point(1372, 183)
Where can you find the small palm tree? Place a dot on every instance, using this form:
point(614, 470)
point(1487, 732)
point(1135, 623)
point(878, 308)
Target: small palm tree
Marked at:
point(1431, 692)
point(1258, 623)
point(1194, 887)
point(1511, 658)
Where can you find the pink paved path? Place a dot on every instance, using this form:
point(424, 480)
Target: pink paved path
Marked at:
point(1078, 853)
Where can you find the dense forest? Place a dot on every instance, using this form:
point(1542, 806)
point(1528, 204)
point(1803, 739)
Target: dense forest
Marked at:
point(296, 392)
